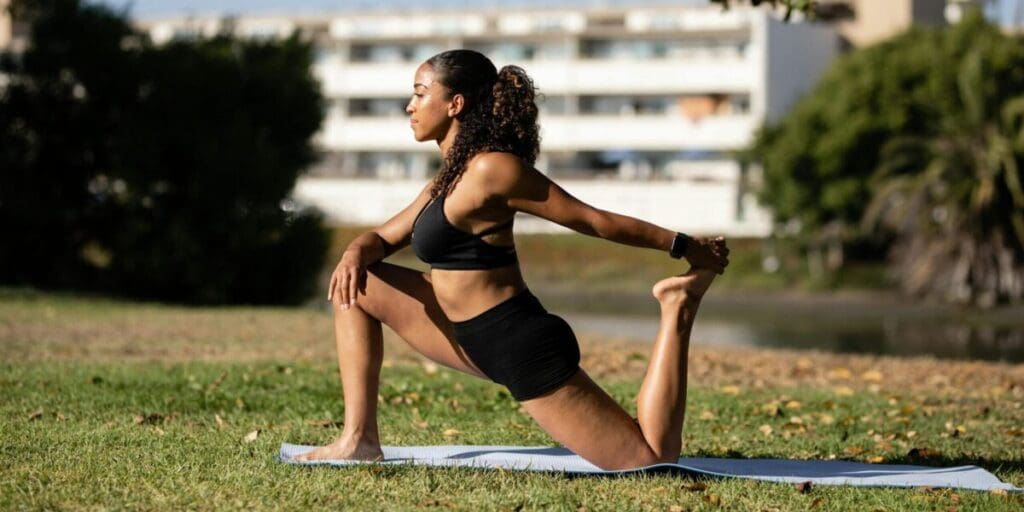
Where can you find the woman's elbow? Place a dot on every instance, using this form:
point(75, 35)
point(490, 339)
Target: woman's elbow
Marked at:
point(598, 223)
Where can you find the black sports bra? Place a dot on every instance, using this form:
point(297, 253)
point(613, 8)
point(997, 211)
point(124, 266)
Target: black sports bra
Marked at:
point(437, 242)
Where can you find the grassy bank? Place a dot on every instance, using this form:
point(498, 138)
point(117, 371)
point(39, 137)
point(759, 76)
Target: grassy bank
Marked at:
point(117, 405)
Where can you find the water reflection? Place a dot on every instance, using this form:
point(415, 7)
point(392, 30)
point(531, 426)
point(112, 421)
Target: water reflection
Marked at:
point(912, 336)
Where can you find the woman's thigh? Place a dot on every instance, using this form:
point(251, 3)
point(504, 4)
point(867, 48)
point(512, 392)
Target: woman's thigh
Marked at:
point(583, 418)
point(404, 300)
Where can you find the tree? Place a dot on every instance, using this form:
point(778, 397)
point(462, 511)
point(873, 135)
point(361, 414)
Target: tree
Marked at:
point(159, 172)
point(805, 6)
point(921, 124)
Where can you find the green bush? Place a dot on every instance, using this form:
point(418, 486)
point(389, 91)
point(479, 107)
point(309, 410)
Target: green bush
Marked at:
point(156, 172)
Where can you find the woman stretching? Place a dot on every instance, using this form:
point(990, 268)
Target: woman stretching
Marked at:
point(472, 311)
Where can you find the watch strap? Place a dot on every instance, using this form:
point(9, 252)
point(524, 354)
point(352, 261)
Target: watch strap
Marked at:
point(679, 245)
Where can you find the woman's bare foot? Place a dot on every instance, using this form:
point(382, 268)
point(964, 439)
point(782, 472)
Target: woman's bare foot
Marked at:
point(686, 288)
point(345, 448)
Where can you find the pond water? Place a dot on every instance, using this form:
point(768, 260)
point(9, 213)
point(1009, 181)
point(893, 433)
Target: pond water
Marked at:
point(860, 326)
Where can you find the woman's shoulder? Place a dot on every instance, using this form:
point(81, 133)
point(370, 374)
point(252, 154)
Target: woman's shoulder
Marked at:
point(485, 161)
point(495, 170)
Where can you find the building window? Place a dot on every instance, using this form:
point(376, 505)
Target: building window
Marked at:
point(377, 107)
point(626, 105)
point(644, 49)
point(384, 53)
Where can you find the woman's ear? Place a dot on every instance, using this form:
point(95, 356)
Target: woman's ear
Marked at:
point(456, 105)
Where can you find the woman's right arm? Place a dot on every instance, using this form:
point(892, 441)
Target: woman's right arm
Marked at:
point(370, 247)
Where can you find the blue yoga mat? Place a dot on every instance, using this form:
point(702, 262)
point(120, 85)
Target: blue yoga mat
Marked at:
point(561, 460)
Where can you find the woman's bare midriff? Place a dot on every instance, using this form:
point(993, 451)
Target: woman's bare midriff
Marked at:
point(464, 294)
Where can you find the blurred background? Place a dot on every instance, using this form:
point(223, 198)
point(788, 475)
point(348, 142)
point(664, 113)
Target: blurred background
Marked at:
point(865, 156)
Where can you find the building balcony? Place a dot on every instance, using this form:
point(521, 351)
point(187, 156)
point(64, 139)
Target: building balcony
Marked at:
point(693, 75)
point(564, 133)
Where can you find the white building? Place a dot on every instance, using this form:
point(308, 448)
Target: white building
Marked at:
point(643, 110)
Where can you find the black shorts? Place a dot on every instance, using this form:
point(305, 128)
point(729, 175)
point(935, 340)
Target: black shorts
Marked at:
point(521, 346)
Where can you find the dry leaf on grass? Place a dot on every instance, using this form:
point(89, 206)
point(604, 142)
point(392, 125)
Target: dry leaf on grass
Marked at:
point(325, 423)
point(696, 486)
point(251, 436)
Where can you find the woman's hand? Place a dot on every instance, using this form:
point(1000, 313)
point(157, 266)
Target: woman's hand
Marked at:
point(346, 279)
point(710, 253)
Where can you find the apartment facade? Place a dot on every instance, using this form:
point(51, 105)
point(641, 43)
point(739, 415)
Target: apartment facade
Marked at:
point(643, 108)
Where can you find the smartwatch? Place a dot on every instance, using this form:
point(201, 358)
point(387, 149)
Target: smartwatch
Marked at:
point(679, 244)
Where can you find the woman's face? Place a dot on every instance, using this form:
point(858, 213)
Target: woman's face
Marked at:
point(431, 108)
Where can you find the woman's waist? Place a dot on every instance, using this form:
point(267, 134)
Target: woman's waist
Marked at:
point(465, 294)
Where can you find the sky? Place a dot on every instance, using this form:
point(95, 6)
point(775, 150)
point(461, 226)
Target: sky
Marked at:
point(1006, 11)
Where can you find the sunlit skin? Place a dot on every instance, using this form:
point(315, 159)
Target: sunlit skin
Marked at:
point(367, 292)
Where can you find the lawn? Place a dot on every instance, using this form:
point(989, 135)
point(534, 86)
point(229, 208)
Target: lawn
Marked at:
point(107, 404)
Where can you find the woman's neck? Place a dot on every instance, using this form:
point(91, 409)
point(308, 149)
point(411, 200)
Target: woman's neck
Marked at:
point(445, 144)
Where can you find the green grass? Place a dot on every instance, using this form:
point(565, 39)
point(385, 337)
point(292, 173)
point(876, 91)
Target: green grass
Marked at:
point(146, 435)
point(113, 405)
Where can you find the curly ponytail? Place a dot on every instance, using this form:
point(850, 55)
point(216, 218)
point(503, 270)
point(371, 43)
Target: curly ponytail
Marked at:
point(515, 113)
point(500, 112)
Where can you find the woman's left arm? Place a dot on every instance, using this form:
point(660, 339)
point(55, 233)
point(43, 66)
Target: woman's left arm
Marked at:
point(525, 189)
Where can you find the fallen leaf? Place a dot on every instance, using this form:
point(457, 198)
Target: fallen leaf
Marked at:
point(219, 420)
point(923, 453)
point(251, 436)
point(417, 421)
point(877, 459)
point(1000, 492)
point(35, 415)
point(843, 391)
point(816, 502)
point(216, 382)
point(872, 376)
point(713, 499)
point(792, 404)
point(325, 423)
point(695, 486)
point(707, 415)
point(429, 367)
point(731, 390)
point(765, 429)
point(451, 432)
point(158, 431)
point(149, 419)
point(803, 487)
point(839, 373)
point(853, 450)
point(827, 419)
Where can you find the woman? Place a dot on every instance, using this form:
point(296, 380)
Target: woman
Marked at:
point(472, 311)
